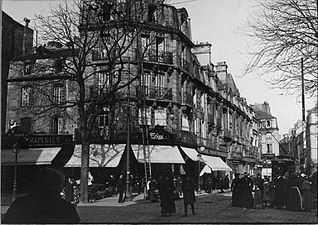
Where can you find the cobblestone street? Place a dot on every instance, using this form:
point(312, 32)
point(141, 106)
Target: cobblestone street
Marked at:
point(213, 208)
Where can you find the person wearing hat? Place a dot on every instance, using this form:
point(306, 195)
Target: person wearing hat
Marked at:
point(44, 204)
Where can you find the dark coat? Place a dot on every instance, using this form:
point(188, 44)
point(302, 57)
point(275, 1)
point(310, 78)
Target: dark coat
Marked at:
point(120, 185)
point(41, 207)
point(236, 189)
point(166, 192)
point(188, 191)
point(246, 198)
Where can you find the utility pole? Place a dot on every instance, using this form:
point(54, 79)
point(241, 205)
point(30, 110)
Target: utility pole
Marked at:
point(303, 108)
point(128, 194)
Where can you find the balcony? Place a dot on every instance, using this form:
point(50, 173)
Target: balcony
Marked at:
point(165, 57)
point(157, 93)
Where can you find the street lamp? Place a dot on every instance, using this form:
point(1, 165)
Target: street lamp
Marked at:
point(17, 136)
point(199, 158)
point(14, 190)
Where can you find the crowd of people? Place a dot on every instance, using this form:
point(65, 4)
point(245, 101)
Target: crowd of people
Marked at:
point(289, 191)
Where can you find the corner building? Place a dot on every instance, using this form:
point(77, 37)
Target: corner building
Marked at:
point(183, 112)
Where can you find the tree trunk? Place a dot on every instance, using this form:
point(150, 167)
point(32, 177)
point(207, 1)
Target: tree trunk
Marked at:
point(84, 169)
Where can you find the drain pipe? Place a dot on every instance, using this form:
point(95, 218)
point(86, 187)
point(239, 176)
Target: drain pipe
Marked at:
point(27, 21)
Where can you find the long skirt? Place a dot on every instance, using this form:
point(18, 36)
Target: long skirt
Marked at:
point(168, 206)
point(294, 202)
point(308, 200)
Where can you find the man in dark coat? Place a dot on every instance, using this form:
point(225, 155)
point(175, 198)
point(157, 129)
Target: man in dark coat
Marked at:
point(44, 205)
point(281, 191)
point(121, 188)
point(188, 194)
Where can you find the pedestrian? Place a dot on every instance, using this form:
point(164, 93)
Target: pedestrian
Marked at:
point(153, 190)
point(281, 191)
point(246, 191)
point(257, 196)
point(167, 195)
point(226, 182)
point(179, 186)
point(236, 189)
point(220, 183)
point(307, 195)
point(121, 188)
point(266, 192)
point(260, 182)
point(69, 190)
point(44, 204)
point(208, 184)
point(188, 194)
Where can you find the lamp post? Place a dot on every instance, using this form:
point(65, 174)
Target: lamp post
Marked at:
point(199, 159)
point(15, 150)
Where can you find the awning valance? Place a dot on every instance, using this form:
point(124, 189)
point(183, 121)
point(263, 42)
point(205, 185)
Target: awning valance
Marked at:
point(159, 154)
point(100, 155)
point(215, 163)
point(31, 156)
point(191, 153)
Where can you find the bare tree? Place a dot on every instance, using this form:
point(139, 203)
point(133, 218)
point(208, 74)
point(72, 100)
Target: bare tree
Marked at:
point(102, 40)
point(286, 31)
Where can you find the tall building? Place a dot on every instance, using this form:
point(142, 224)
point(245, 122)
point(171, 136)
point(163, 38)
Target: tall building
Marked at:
point(17, 39)
point(269, 132)
point(179, 109)
point(310, 153)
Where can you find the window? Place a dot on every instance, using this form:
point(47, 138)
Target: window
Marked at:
point(144, 116)
point(56, 124)
point(58, 64)
point(268, 136)
point(268, 123)
point(152, 13)
point(58, 94)
point(161, 117)
point(103, 81)
point(28, 68)
point(103, 119)
point(26, 96)
point(269, 148)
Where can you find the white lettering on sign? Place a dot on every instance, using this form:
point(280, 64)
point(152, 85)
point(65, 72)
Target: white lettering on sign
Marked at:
point(156, 136)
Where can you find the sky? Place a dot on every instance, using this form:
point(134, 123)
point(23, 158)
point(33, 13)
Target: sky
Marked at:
point(221, 23)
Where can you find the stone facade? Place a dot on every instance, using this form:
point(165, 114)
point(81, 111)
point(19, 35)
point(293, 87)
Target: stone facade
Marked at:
point(179, 92)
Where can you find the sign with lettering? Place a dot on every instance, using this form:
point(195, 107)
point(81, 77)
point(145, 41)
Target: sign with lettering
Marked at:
point(159, 134)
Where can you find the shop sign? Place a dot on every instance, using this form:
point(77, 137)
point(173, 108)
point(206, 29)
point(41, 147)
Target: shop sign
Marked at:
point(160, 134)
point(52, 140)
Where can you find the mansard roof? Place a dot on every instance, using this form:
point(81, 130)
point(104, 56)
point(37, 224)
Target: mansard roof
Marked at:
point(263, 115)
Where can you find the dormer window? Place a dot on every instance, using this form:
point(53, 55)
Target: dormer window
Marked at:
point(268, 123)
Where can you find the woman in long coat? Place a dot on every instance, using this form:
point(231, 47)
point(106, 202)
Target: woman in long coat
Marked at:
point(166, 192)
point(307, 195)
point(266, 191)
point(188, 194)
point(235, 188)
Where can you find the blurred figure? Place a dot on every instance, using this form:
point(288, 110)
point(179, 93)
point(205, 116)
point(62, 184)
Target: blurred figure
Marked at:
point(236, 189)
point(166, 192)
point(226, 182)
point(188, 194)
point(121, 188)
point(69, 189)
point(220, 183)
point(209, 184)
point(44, 204)
point(266, 191)
point(246, 191)
point(153, 190)
point(307, 194)
point(257, 196)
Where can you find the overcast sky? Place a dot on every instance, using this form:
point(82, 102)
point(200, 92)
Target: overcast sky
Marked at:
point(220, 22)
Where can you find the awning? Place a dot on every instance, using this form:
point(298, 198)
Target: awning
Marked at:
point(159, 154)
point(215, 163)
point(205, 169)
point(100, 155)
point(31, 156)
point(191, 153)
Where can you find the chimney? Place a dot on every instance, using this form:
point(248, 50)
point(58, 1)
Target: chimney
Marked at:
point(27, 21)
